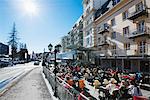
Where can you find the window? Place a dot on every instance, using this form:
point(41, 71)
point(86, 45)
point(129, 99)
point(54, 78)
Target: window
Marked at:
point(114, 49)
point(140, 26)
point(113, 23)
point(126, 31)
point(87, 22)
point(88, 41)
point(113, 35)
point(88, 11)
point(87, 2)
point(90, 19)
point(127, 46)
point(127, 64)
point(90, 30)
point(106, 26)
point(115, 2)
point(125, 15)
point(91, 40)
point(99, 40)
point(87, 33)
point(98, 29)
point(139, 7)
point(142, 47)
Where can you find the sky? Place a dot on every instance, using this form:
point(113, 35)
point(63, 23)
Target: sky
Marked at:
point(38, 22)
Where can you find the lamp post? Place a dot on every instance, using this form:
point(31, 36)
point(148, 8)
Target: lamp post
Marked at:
point(56, 50)
point(43, 62)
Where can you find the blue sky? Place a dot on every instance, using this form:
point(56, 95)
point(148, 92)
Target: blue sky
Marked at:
point(53, 20)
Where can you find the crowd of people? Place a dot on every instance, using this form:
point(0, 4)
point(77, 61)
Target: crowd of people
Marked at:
point(111, 84)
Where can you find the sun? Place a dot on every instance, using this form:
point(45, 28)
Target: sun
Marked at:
point(30, 7)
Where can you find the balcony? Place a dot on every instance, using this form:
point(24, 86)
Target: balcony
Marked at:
point(104, 41)
point(104, 28)
point(139, 33)
point(137, 14)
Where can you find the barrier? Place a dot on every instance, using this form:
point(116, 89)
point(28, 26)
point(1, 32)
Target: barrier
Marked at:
point(64, 90)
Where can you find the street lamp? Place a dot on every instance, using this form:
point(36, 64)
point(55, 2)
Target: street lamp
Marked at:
point(56, 50)
point(43, 62)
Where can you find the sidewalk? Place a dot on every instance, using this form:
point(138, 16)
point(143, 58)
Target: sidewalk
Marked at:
point(31, 87)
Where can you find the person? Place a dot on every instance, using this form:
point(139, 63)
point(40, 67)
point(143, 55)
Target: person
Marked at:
point(96, 84)
point(138, 77)
point(86, 75)
point(69, 81)
point(111, 86)
point(81, 84)
point(105, 82)
point(135, 90)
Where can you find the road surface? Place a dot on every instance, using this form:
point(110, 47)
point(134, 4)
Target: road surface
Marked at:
point(30, 87)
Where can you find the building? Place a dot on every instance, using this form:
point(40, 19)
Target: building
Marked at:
point(89, 9)
point(4, 49)
point(22, 55)
point(123, 35)
point(116, 34)
point(73, 40)
point(64, 42)
point(89, 33)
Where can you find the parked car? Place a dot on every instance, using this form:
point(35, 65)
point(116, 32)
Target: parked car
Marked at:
point(36, 63)
point(4, 64)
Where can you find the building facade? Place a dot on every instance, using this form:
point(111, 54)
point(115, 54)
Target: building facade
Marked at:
point(4, 49)
point(73, 40)
point(123, 36)
point(89, 8)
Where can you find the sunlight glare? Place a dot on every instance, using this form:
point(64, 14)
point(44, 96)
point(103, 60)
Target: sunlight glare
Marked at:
point(30, 7)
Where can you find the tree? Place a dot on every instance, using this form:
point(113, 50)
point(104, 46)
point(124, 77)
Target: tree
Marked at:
point(25, 46)
point(13, 41)
point(21, 46)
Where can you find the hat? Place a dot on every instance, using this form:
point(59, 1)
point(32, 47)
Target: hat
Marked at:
point(105, 82)
point(96, 83)
point(112, 80)
point(75, 78)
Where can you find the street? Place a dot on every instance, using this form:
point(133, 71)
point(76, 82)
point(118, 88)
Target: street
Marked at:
point(30, 87)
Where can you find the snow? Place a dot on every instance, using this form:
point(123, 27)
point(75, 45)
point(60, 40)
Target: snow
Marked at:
point(49, 87)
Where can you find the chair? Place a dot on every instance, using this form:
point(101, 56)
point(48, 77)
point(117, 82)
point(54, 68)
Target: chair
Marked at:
point(140, 98)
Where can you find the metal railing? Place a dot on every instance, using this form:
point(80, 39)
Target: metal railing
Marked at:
point(145, 30)
point(136, 51)
point(136, 12)
point(64, 90)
